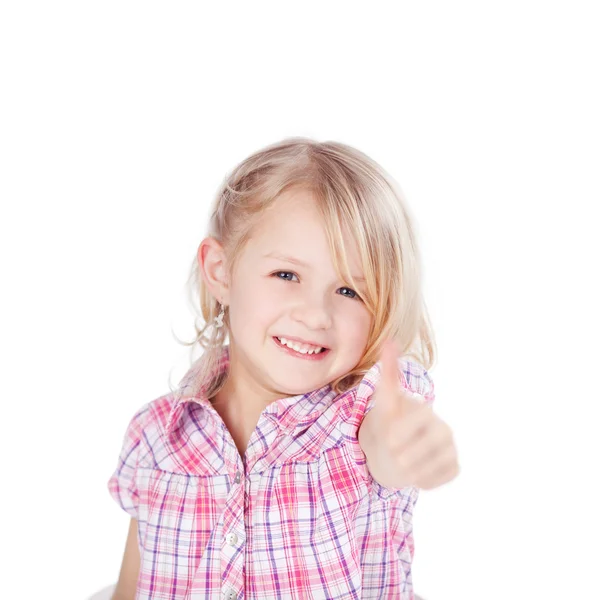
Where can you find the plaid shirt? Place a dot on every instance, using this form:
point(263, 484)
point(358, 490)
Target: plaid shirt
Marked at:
point(299, 517)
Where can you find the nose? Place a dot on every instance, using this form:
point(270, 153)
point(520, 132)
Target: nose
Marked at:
point(313, 316)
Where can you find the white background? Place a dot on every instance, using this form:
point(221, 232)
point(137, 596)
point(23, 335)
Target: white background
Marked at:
point(118, 122)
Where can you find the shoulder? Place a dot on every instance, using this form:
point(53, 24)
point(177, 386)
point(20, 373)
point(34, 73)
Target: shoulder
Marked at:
point(148, 422)
point(412, 374)
point(151, 413)
point(416, 379)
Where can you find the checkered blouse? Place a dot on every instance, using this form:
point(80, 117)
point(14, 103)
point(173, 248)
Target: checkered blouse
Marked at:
point(299, 517)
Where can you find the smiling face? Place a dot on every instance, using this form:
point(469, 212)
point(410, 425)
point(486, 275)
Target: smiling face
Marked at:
point(271, 296)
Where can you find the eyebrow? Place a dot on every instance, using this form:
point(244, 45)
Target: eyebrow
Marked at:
point(297, 261)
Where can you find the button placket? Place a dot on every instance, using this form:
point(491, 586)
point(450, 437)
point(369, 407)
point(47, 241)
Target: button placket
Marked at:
point(232, 542)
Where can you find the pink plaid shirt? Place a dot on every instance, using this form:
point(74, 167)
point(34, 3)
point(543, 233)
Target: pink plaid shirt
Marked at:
point(299, 517)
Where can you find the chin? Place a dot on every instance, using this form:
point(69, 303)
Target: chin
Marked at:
point(302, 388)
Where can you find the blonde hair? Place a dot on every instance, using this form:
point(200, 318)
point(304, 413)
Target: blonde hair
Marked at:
point(352, 191)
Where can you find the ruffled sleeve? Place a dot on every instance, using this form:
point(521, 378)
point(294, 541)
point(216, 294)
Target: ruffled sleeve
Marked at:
point(122, 484)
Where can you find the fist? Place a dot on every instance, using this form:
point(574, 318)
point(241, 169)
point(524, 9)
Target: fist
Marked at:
point(404, 441)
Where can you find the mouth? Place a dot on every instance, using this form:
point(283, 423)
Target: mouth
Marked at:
point(307, 356)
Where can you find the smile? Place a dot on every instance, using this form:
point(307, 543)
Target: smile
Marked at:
point(304, 355)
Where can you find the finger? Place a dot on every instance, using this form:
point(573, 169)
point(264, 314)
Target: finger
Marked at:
point(389, 362)
point(388, 388)
point(412, 428)
point(425, 450)
point(404, 397)
point(439, 471)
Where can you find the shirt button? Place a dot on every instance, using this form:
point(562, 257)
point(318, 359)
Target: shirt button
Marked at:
point(230, 595)
point(232, 539)
point(237, 477)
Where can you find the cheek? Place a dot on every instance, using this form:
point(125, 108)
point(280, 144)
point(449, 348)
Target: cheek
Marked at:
point(255, 308)
point(247, 294)
point(354, 326)
point(245, 300)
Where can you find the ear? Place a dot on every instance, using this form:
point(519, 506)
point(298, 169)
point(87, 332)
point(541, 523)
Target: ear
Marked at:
point(213, 268)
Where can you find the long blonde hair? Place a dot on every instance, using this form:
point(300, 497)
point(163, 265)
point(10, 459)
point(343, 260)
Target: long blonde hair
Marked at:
point(352, 191)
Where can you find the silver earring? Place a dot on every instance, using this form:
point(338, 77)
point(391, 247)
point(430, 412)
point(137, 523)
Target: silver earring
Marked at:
point(219, 319)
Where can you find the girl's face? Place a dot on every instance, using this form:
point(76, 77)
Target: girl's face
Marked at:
point(270, 296)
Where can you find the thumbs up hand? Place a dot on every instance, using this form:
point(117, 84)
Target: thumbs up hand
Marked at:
point(404, 442)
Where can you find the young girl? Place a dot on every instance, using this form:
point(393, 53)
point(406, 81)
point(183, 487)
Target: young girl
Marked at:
point(266, 474)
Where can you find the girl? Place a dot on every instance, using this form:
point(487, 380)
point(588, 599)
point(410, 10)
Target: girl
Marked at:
point(266, 474)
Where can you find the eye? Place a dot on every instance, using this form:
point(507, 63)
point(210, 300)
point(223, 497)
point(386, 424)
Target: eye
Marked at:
point(353, 295)
point(351, 291)
point(285, 273)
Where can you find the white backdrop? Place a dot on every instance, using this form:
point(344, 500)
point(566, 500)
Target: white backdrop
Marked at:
point(119, 120)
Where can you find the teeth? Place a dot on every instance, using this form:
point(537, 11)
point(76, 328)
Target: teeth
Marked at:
point(302, 348)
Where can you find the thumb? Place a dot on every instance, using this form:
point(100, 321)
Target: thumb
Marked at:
point(386, 395)
point(390, 396)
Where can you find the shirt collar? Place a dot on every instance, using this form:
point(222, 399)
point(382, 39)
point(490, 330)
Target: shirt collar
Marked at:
point(189, 389)
point(290, 411)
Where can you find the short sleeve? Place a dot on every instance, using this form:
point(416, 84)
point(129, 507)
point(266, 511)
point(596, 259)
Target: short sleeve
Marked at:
point(422, 384)
point(122, 484)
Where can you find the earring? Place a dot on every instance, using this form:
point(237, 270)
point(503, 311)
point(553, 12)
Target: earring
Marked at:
point(219, 319)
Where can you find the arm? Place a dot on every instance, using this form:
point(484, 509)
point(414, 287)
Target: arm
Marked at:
point(130, 567)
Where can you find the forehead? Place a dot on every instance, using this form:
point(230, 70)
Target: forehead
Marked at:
point(293, 215)
point(293, 225)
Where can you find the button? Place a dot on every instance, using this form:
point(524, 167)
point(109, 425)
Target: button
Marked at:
point(232, 539)
point(237, 477)
point(230, 595)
